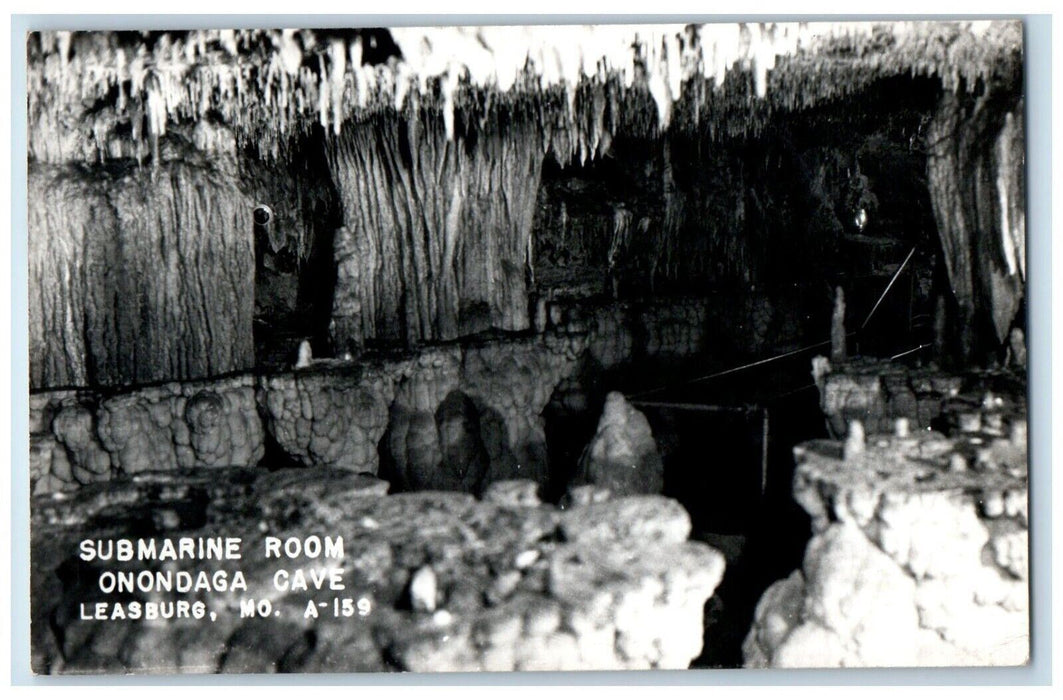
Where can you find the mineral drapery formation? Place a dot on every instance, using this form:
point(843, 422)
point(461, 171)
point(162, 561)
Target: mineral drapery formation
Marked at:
point(500, 586)
point(976, 170)
point(437, 235)
point(138, 275)
point(919, 552)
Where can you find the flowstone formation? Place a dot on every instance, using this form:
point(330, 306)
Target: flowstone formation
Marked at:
point(466, 416)
point(140, 275)
point(449, 417)
point(437, 235)
point(443, 582)
point(877, 393)
point(81, 437)
point(331, 417)
point(919, 555)
point(446, 417)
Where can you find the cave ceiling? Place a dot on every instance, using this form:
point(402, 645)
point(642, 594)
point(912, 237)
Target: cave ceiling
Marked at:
point(582, 85)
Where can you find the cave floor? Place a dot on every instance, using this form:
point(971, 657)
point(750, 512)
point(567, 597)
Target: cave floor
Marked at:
point(429, 581)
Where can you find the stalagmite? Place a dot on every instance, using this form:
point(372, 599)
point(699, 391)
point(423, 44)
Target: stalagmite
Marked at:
point(820, 369)
point(838, 340)
point(1017, 346)
point(622, 457)
point(940, 325)
point(305, 355)
point(855, 442)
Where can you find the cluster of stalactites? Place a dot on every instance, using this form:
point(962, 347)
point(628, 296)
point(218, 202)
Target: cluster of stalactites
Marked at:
point(268, 84)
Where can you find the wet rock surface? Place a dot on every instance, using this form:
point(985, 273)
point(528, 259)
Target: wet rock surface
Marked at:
point(919, 555)
point(438, 581)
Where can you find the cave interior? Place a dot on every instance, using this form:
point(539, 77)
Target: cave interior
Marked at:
point(486, 260)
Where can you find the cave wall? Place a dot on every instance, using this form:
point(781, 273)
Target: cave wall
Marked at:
point(443, 230)
point(457, 416)
point(297, 212)
point(435, 242)
point(138, 274)
point(663, 215)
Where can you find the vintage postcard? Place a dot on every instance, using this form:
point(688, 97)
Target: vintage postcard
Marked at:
point(515, 348)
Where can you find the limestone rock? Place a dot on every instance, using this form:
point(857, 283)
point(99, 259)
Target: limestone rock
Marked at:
point(862, 595)
point(423, 590)
point(780, 610)
point(914, 561)
point(522, 493)
point(643, 518)
point(585, 494)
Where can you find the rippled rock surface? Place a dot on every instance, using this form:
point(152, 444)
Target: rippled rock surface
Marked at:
point(83, 437)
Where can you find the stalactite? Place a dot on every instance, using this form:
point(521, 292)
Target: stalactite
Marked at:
point(261, 83)
point(437, 232)
point(437, 151)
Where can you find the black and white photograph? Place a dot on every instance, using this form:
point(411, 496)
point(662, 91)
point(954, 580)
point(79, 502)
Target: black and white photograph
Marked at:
point(527, 347)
